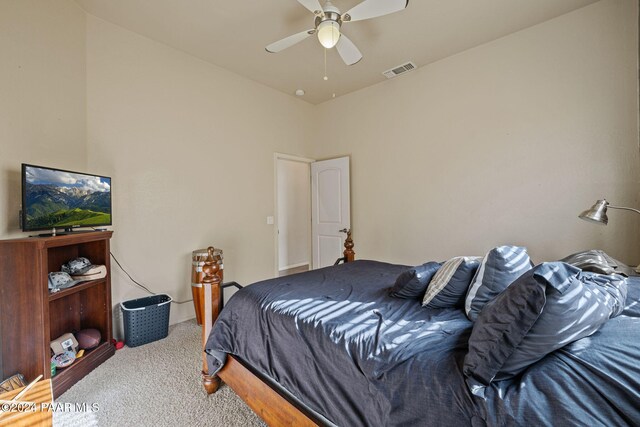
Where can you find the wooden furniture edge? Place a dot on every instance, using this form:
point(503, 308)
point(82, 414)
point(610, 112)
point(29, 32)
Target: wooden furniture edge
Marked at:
point(64, 239)
point(263, 399)
point(349, 254)
point(77, 288)
point(210, 280)
point(267, 403)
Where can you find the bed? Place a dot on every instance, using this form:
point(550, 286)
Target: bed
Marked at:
point(331, 347)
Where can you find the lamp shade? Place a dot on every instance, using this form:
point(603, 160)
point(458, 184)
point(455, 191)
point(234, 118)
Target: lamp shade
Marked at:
point(328, 33)
point(596, 213)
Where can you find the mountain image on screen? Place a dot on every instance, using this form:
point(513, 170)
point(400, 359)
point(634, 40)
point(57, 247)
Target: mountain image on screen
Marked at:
point(65, 199)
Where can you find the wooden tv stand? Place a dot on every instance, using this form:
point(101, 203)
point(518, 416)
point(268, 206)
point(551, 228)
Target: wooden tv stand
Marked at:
point(31, 317)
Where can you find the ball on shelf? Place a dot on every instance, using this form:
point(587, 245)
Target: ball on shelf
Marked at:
point(88, 338)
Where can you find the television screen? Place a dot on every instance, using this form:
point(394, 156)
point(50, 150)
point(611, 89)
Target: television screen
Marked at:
point(54, 198)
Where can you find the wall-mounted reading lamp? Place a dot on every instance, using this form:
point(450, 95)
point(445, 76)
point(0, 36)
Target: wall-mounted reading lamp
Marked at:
point(598, 214)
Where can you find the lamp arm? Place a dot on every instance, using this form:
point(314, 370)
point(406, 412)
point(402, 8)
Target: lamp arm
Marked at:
point(623, 208)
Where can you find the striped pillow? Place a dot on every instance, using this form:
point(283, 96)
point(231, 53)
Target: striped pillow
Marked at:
point(500, 268)
point(449, 285)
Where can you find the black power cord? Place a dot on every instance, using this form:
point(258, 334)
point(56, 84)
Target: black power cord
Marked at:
point(140, 284)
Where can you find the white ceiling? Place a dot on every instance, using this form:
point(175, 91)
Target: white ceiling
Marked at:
point(233, 33)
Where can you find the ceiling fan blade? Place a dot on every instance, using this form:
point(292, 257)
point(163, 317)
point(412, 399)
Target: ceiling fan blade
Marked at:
point(313, 5)
point(373, 8)
point(348, 51)
point(286, 42)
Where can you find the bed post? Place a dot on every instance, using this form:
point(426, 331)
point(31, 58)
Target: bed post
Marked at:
point(349, 254)
point(211, 284)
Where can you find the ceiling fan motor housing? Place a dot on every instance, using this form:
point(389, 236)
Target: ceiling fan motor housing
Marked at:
point(329, 16)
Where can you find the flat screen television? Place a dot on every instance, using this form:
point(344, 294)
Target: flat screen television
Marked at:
point(61, 199)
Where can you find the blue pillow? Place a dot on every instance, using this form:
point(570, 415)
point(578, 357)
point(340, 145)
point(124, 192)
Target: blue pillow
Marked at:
point(412, 283)
point(545, 309)
point(499, 268)
point(449, 285)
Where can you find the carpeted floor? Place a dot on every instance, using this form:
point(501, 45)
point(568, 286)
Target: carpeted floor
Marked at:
point(157, 384)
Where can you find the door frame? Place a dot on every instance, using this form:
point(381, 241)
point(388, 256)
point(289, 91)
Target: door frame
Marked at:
point(290, 157)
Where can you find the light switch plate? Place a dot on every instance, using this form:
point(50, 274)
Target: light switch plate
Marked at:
point(269, 220)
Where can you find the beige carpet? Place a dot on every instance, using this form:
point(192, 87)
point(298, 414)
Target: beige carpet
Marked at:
point(157, 384)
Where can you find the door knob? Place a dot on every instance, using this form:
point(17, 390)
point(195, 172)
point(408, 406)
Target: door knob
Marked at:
point(344, 230)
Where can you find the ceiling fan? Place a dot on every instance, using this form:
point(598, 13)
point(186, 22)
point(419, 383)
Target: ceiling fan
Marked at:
point(329, 20)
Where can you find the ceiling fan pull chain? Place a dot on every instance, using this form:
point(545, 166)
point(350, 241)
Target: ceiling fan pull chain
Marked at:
point(325, 65)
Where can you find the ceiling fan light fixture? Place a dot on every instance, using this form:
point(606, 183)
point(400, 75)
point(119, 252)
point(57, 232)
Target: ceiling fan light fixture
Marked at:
point(328, 33)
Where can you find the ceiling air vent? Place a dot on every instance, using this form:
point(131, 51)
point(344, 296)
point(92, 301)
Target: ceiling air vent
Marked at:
point(400, 69)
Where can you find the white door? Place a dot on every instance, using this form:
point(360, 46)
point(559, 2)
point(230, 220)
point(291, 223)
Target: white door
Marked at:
point(330, 210)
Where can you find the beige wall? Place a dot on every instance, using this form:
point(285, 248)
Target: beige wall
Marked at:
point(503, 143)
point(42, 94)
point(190, 149)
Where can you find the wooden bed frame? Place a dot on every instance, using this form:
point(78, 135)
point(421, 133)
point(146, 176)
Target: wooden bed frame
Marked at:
point(270, 404)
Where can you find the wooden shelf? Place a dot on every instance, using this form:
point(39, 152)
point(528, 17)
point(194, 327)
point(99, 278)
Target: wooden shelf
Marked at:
point(77, 288)
point(66, 377)
point(64, 239)
point(31, 317)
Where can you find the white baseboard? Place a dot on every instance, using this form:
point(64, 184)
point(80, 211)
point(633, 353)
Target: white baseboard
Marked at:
point(289, 267)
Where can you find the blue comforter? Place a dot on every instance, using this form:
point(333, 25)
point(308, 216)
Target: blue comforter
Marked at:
point(336, 341)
